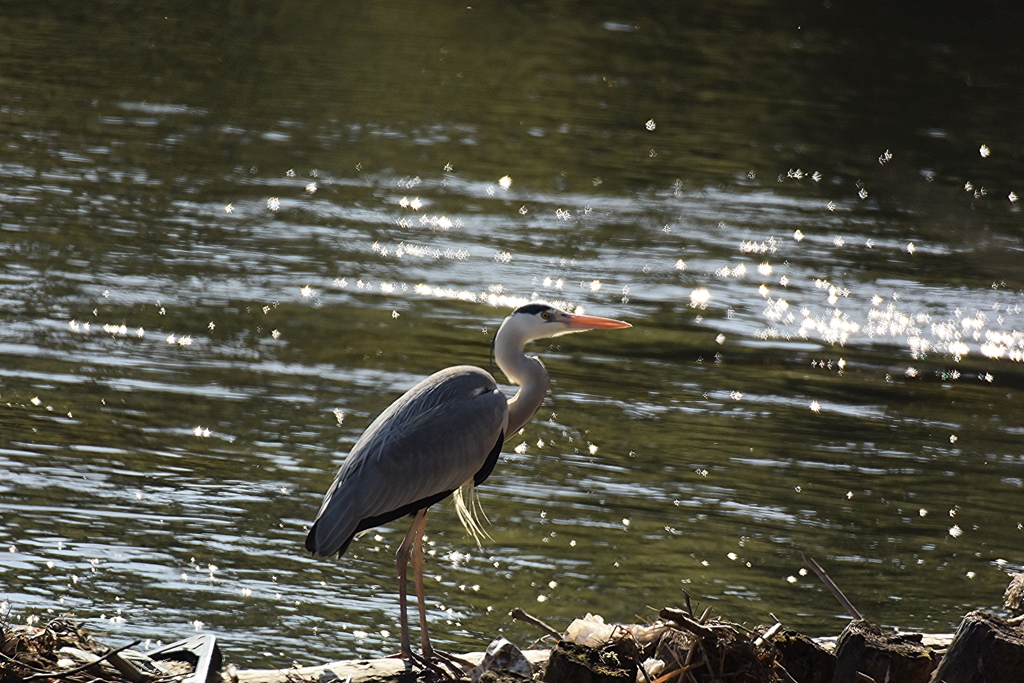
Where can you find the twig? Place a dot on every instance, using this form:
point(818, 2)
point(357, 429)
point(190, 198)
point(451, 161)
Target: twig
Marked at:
point(847, 605)
point(785, 674)
point(704, 661)
point(519, 614)
point(689, 609)
point(686, 621)
point(26, 665)
point(664, 678)
point(689, 659)
point(77, 669)
point(129, 670)
point(639, 649)
point(675, 656)
point(740, 627)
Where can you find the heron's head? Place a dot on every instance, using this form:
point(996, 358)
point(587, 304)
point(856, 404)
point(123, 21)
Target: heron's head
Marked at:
point(540, 320)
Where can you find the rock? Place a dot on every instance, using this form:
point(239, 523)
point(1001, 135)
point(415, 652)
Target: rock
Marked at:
point(502, 656)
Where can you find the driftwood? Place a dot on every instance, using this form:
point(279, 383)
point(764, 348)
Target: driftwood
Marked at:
point(864, 650)
point(985, 648)
point(386, 670)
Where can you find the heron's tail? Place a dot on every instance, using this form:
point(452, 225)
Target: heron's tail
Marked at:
point(467, 507)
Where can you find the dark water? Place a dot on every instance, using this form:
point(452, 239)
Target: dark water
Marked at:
point(231, 235)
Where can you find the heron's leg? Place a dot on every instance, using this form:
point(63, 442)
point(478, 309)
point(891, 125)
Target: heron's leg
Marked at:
point(417, 569)
point(402, 563)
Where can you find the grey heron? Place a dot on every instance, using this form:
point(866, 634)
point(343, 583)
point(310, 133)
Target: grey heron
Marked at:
point(442, 436)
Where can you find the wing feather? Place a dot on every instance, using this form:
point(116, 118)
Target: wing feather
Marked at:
point(429, 442)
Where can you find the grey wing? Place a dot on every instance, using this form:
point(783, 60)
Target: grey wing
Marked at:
point(429, 442)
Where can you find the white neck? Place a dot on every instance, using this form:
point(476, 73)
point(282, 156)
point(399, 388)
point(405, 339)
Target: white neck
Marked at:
point(526, 371)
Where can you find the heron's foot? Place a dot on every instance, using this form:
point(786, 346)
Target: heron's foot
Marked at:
point(442, 665)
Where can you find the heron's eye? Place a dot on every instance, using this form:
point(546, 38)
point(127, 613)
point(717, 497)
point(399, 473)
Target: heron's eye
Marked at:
point(545, 315)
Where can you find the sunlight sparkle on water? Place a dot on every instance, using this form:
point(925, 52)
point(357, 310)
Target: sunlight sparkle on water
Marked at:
point(493, 298)
point(417, 251)
point(699, 298)
point(442, 223)
point(768, 246)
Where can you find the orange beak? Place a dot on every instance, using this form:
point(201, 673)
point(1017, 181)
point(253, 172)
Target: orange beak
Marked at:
point(578, 323)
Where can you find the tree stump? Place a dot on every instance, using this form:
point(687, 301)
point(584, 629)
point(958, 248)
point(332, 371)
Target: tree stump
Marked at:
point(572, 663)
point(864, 649)
point(804, 660)
point(984, 649)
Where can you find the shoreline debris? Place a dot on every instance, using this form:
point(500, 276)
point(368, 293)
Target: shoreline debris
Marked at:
point(61, 650)
point(675, 647)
